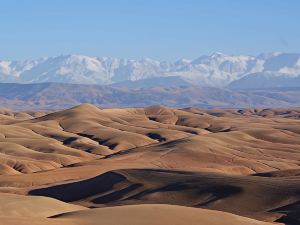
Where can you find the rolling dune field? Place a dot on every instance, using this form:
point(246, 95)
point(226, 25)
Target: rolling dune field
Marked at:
point(150, 166)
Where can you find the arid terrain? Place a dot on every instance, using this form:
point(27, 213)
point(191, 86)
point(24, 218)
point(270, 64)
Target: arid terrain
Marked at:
point(150, 166)
point(173, 92)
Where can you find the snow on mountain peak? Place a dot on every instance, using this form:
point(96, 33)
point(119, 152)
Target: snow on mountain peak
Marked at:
point(217, 55)
point(217, 69)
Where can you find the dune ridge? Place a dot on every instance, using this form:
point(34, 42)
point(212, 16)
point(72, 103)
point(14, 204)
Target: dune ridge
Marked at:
point(239, 161)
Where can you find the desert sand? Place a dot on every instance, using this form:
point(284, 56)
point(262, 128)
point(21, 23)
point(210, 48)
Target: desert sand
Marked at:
point(88, 165)
point(140, 215)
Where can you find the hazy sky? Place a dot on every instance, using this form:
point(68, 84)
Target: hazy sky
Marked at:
point(162, 29)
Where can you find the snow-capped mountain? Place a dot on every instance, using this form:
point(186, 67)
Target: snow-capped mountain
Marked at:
point(218, 69)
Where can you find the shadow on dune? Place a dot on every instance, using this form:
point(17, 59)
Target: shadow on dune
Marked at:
point(143, 186)
point(291, 214)
point(75, 191)
point(241, 195)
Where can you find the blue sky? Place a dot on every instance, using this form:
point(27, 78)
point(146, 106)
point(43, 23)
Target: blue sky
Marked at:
point(161, 29)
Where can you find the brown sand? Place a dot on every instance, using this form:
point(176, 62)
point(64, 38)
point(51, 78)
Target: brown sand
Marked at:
point(141, 215)
point(240, 161)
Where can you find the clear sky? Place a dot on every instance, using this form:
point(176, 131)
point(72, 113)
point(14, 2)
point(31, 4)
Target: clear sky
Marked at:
point(161, 29)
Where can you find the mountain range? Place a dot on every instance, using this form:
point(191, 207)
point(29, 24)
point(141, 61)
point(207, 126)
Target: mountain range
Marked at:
point(55, 96)
point(216, 70)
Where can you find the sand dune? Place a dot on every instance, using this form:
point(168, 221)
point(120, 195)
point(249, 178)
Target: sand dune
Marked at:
point(241, 144)
point(242, 195)
point(140, 215)
point(158, 215)
point(28, 206)
point(241, 161)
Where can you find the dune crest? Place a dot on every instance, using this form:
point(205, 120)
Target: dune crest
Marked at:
point(239, 163)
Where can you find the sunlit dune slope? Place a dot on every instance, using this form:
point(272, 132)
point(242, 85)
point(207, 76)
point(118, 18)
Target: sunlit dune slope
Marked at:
point(29, 206)
point(140, 215)
point(158, 214)
point(239, 161)
point(161, 136)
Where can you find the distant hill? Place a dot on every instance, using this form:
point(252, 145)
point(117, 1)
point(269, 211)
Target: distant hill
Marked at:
point(52, 96)
point(171, 81)
point(265, 80)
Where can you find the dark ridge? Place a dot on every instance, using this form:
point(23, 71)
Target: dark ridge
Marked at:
point(86, 135)
point(291, 211)
point(220, 192)
point(100, 141)
point(156, 136)
point(69, 140)
point(213, 130)
point(117, 195)
point(152, 118)
point(82, 189)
